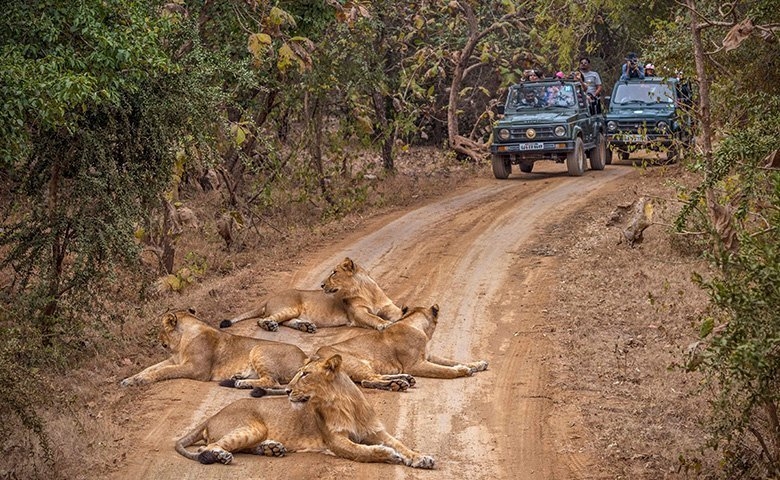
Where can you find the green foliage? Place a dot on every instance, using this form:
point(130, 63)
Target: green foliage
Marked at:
point(742, 358)
point(94, 104)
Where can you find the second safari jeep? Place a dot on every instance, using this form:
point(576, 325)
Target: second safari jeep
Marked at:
point(548, 120)
point(650, 114)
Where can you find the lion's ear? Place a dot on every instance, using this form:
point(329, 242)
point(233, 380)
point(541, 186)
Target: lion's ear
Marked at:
point(348, 265)
point(333, 363)
point(170, 321)
point(435, 310)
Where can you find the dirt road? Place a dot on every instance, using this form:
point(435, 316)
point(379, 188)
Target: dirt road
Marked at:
point(476, 254)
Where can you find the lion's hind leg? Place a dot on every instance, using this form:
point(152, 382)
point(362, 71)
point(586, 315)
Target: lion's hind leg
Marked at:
point(244, 438)
point(478, 366)
point(302, 325)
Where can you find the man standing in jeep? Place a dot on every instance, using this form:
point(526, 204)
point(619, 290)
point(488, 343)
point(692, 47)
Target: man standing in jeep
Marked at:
point(593, 83)
point(632, 68)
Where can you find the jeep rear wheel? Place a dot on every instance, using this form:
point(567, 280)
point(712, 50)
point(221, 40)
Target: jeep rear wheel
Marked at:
point(526, 167)
point(598, 154)
point(608, 156)
point(575, 160)
point(502, 167)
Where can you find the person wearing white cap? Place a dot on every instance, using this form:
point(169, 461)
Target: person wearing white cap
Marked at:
point(649, 70)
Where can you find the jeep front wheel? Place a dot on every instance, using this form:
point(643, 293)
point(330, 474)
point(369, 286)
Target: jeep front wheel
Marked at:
point(502, 167)
point(599, 153)
point(575, 160)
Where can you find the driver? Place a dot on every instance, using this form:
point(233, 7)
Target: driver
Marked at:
point(530, 99)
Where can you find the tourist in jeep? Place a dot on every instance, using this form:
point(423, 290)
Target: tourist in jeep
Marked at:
point(592, 84)
point(632, 68)
point(531, 99)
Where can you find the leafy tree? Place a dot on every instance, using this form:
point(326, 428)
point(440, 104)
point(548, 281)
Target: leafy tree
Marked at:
point(93, 103)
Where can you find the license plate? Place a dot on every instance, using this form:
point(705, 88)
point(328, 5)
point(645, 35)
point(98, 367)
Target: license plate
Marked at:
point(634, 138)
point(531, 146)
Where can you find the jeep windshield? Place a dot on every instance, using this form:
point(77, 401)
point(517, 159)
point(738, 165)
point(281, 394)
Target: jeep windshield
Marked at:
point(540, 95)
point(644, 93)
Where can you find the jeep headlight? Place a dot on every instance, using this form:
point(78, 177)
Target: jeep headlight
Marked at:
point(662, 126)
point(560, 130)
point(612, 125)
point(503, 134)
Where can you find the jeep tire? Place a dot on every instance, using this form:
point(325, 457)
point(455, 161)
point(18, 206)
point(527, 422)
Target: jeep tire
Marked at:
point(502, 166)
point(598, 153)
point(575, 160)
point(526, 167)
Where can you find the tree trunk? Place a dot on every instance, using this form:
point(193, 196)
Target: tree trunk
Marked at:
point(381, 106)
point(460, 144)
point(316, 119)
point(720, 216)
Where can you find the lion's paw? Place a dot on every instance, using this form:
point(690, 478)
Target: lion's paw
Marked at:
point(383, 326)
point(271, 448)
point(412, 381)
point(207, 457)
point(398, 385)
point(132, 381)
point(243, 384)
point(306, 327)
point(268, 325)
point(479, 366)
point(391, 456)
point(424, 461)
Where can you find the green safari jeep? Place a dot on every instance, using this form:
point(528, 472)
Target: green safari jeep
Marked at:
point(649, 114)
point(548, 120)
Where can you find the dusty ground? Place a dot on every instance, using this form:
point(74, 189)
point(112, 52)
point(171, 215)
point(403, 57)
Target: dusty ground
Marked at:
point(579, 332)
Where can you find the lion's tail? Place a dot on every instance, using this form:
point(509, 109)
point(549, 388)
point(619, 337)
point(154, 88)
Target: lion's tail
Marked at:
point(256, 313)
point(194, 436)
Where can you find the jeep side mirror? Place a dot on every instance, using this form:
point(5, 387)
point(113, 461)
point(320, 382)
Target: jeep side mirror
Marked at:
point(500, 109)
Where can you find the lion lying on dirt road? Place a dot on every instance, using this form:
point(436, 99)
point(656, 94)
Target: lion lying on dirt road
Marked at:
point(388, 360)
point(201, 352)
point(326, 412)
point(349, 296)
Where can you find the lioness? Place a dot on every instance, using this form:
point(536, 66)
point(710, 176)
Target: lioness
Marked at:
point(349, 296)
point(388, 359)
point(201, 352)
point(325, 413)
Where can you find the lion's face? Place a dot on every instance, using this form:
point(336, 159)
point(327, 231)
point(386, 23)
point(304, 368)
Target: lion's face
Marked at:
point(313, 379)
point(170, 333)
point(341, 278)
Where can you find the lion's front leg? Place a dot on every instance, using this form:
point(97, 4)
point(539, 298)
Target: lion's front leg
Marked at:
point(361, 316)
point(410, 457)
point(150, 374)
point(342, 446)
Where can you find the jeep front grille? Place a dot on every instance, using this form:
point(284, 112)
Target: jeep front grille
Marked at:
point(542, 133)
point(628, 126)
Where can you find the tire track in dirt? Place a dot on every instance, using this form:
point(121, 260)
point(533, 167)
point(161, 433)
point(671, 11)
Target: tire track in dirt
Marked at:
point(468, 253)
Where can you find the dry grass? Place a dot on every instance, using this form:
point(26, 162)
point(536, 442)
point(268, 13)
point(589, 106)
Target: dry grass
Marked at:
point(634, 318)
